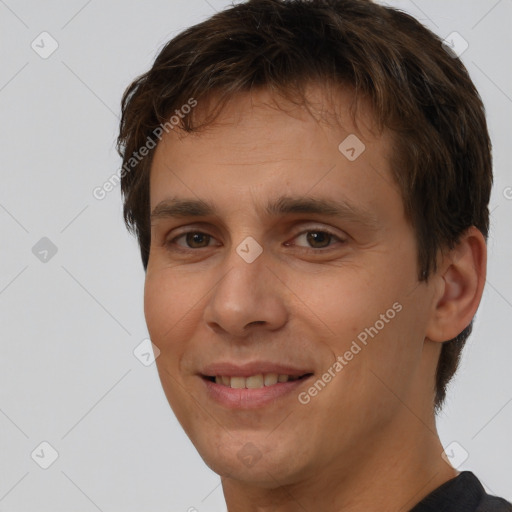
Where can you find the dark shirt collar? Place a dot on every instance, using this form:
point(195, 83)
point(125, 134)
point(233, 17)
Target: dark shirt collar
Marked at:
point(463, 493)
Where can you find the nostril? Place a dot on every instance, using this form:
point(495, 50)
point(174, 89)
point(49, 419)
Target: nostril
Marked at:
point(256, 322)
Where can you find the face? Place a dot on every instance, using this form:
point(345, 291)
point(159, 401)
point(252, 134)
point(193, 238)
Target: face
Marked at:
point(281, 289)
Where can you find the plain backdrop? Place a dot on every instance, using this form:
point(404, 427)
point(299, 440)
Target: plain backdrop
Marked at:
point(71, 279)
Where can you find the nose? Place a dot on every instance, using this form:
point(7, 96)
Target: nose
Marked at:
point(248, 297)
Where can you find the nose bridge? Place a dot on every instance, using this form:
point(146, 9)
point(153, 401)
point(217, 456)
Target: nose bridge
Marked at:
point(246, 294)
point(242, 287)
point(241, 281)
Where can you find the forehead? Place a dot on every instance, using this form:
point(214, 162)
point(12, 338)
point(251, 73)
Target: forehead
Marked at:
point(262, 140)
point(329, 107)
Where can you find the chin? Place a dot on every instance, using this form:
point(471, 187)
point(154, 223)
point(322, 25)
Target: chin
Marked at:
point(259, 463)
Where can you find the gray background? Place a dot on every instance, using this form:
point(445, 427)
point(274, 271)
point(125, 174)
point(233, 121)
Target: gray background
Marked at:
point(70, 323)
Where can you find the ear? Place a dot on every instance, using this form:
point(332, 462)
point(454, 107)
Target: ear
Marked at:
point(459, 285)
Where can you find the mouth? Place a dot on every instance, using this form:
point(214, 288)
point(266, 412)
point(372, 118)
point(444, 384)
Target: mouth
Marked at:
point(257, 381)
point(253, 385)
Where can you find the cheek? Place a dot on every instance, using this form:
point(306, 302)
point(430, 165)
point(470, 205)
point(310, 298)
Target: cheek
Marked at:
point(346, 301)
point(167, 305)
point(168, 309)
point(366, 314)
point(157, 306)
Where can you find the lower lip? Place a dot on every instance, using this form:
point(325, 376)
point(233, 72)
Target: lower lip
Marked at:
point(233, 398)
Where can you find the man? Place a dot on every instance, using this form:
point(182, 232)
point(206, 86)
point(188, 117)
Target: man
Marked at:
point(309, 184)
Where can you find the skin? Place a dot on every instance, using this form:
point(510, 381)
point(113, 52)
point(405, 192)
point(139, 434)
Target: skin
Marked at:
point(367, 440)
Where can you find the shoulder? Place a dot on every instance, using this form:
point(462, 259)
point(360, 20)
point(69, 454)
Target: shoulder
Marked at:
point(493, 504)
point(463, 493)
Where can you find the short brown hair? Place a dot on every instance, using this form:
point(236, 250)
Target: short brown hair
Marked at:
point(416, 87)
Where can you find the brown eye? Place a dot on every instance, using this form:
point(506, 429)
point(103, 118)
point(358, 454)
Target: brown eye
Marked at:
point(318, 239)
point(192, 240)
point(197, 240)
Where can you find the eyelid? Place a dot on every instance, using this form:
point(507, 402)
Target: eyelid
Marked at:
point(185, 228)
point(169, 240)
point(319, 229)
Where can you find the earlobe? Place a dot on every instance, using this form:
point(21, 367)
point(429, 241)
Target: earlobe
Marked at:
point(460, 282)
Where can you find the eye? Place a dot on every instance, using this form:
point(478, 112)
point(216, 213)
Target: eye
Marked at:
point(317, 239)
point(193, 240)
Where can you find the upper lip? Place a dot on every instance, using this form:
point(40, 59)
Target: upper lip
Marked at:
point(252, 368)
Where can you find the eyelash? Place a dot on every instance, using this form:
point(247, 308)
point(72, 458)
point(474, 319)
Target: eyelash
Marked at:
point(171, 244)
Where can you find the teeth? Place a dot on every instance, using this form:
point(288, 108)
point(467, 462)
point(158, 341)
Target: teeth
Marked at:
point(238, 382)
point(254, 381)
point(270, 379)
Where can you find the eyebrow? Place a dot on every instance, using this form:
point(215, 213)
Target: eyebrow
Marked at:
point(284, 205)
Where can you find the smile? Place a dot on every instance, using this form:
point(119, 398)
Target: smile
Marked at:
point(254, 381)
